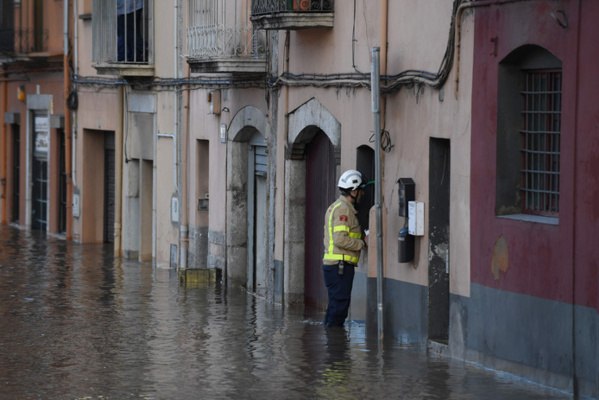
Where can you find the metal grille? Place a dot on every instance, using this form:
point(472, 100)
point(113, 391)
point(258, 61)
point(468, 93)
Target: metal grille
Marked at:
point(541, 142)
point(269, 6)
point(39, 206)
point(22, 31)
point(222, 29)
point(121, 31)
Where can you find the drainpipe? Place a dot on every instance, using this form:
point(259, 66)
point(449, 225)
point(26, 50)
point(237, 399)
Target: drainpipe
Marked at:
point(68, 120)
point(379, 63)
point(575, 378)
point(180, 185)
point(376, 110)
point(4, 141)
point(118, 150)
point(76, 71)
point(458, 35)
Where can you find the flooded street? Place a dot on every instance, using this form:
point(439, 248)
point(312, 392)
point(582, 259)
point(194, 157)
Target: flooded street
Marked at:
point(77, 324)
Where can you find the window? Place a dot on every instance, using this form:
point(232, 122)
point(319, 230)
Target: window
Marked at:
point(528, 135)
point(121, 31)
point(7, 28)
point(541, 142)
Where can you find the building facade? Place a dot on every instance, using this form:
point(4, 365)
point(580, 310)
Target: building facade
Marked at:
point(208, 136)
point(35, 141)
point(533, 210)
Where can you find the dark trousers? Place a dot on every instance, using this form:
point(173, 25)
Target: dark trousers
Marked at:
point(339, 288)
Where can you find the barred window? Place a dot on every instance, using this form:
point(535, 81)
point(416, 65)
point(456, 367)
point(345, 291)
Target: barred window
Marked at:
point(541, 142)
point(528, 135)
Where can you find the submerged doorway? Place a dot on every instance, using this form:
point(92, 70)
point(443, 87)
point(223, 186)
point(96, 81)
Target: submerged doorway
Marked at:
point(321, 189)
point(438, 268)
point(39, 172)
point(16, 173)
point(109, 187)
point(257, 203)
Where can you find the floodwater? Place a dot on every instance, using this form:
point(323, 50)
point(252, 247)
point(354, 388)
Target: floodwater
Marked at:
point(77, 324)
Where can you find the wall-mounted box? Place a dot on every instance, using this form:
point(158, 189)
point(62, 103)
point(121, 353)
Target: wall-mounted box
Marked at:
point(203, 204)
point(215, 102)
point(406, 192)
point(405, 246)
point(416, 218)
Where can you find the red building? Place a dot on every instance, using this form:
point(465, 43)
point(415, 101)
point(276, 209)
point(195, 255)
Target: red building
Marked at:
point(535, 192)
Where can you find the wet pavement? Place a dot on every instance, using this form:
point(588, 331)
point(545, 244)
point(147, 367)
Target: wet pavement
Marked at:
point(77, 324)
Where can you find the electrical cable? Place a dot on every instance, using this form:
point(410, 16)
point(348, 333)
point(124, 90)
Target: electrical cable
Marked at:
point(393, 83)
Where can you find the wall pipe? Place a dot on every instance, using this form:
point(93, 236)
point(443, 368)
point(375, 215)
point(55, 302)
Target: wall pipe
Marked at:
point(76, 70)
point(119, 152)
point(180, 165)
point(575, 378)
point(68, 121)
point(458, 34)
point(379, 65)
point(376, 110)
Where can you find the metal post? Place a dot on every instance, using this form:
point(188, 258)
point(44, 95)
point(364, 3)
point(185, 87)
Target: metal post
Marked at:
point(376, 110)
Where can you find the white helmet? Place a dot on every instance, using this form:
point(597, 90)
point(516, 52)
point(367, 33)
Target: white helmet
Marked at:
point(350, 180)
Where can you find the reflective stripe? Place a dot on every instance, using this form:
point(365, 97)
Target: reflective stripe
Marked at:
point(331, 244)
point(345, 228)
point(340, 257)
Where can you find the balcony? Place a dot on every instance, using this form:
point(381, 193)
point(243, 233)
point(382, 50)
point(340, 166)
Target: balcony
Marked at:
point(22, 35)
point(292, 14)
point(122, 40)
point(221, 39)
point(23, 42)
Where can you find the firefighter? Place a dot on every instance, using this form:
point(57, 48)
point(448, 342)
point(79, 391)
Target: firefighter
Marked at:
point(343, 242)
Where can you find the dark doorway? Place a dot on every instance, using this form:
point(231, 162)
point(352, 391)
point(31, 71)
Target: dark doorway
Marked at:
point(365, 164)
point(438, 269)
point(39, 206)
point(16, 172)
point(109, 187)
point(320, 193)
point(257, 214)
point(62, 185)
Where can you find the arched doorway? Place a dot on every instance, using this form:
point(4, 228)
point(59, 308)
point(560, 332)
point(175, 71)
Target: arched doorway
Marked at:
point(257, 212)
point(248, 200)
point(311, 169)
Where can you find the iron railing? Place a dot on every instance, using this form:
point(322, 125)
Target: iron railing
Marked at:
point(219, 41)
point(23, 41)
point(260, 7)
point(18, 35)
point(220, 29)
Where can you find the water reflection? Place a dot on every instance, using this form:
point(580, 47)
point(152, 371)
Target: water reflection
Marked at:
point(77, 324)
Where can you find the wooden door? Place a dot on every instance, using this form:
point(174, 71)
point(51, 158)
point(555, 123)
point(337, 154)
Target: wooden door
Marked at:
point(320, 193)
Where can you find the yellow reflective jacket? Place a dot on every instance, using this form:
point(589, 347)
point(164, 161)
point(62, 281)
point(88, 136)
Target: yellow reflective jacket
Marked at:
point(342, 233)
